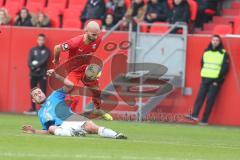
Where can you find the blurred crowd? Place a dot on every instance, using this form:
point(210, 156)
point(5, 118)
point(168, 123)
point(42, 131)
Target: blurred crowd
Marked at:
point(111, 12)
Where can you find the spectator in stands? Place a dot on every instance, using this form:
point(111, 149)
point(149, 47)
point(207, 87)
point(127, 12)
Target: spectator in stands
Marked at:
point(37, 63)
point(41, 20)
point(94, 9)
point(156, 11)
point(180, 12)
point(206, 10)
point(135, 13)
point(215, 64)
point(118, 8)
point(23, 18)
point(108, 22)
point(4, 17)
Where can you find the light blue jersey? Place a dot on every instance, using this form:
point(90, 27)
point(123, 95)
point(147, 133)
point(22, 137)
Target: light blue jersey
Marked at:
point(54, 111)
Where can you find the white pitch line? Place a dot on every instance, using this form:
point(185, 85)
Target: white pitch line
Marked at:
point(160, 142)
point(77, 156)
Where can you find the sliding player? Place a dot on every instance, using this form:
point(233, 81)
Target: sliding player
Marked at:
point(58, 119)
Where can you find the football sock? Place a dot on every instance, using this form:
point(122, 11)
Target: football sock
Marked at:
point(106, 132)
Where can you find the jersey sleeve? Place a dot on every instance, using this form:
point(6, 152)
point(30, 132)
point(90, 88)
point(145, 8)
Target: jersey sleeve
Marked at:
point(59, 94)
point(70, 44)
point(44, 127)
point(97, 44)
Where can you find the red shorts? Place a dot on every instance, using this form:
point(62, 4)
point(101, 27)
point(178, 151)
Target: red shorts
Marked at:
point(75, 77)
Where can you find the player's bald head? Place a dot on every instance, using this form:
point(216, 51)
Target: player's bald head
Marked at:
point(93, 27)
point(92, 30)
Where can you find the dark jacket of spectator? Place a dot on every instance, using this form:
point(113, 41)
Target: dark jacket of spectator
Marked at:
point(156, 12)
point(208, 4)
point(119, 11)
point(94, 9)
point(179, 13)
point(41, 55)
point(23, 18)
point(41, 20)
point(137, 7)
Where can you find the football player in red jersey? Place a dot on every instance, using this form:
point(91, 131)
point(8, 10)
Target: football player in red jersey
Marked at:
point(86, 43)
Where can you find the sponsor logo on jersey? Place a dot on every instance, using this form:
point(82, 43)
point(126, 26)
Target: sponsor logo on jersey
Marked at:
point(94, 46)
point(65, 47)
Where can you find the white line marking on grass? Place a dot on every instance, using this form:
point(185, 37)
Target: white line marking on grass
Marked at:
point(77, 156)
point(215, 146)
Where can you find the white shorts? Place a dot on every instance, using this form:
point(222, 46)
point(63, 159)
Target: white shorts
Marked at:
point(71, 128)
point(77, 125)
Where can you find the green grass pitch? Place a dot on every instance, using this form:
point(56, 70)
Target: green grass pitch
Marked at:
point(147, 141)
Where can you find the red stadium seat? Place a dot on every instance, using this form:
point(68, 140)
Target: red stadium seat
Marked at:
point(159, 27)
point(20, 3)
point(79, 4)
point(13, 6)
point(54, 17)
point(72, 13)
point(235, 5)
point(128, 3)
point(209, 12)
point(35, 5)
point(237, 25)
point(55, 21)
point(193, 9)
point(1, 2)
point(50, 12)
point(96, 20)
point(72, 23)
point(144, 28)
point(13, 10)
point(170, 3)
point(58, 5)
point(222, 29)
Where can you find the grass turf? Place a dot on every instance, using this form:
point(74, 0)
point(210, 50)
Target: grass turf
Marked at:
point(150, 141)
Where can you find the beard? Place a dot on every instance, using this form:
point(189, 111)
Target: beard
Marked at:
point(90, 38)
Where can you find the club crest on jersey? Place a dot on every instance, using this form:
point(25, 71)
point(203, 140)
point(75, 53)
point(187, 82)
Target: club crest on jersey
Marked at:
point(43, 52)
point(65, 47)
point(94, 46)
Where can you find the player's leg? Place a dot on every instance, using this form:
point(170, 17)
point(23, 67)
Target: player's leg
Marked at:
point(96, 93)
point(73, 100)
point(60, 131)
point(92, 128)
point(68, 128)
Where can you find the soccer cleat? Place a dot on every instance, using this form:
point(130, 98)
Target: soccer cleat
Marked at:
point(78, 133)
point(107, 117)
point(121, 136)
point(190, 117)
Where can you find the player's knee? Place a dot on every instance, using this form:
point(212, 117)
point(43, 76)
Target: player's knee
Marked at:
point(91, 127)
point(52, 129)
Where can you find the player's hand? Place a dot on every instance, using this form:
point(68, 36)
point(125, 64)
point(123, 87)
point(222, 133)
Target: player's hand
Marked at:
point(55, 61)
point(51, 72)
point(28, 129)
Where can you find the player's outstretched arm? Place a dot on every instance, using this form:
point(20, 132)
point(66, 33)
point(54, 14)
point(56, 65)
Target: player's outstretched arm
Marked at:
point(30, 130)
point(56, 54)
point(68, 85)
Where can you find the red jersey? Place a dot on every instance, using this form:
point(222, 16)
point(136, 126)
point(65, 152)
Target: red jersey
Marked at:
point(79, 75)
point(76, 46)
